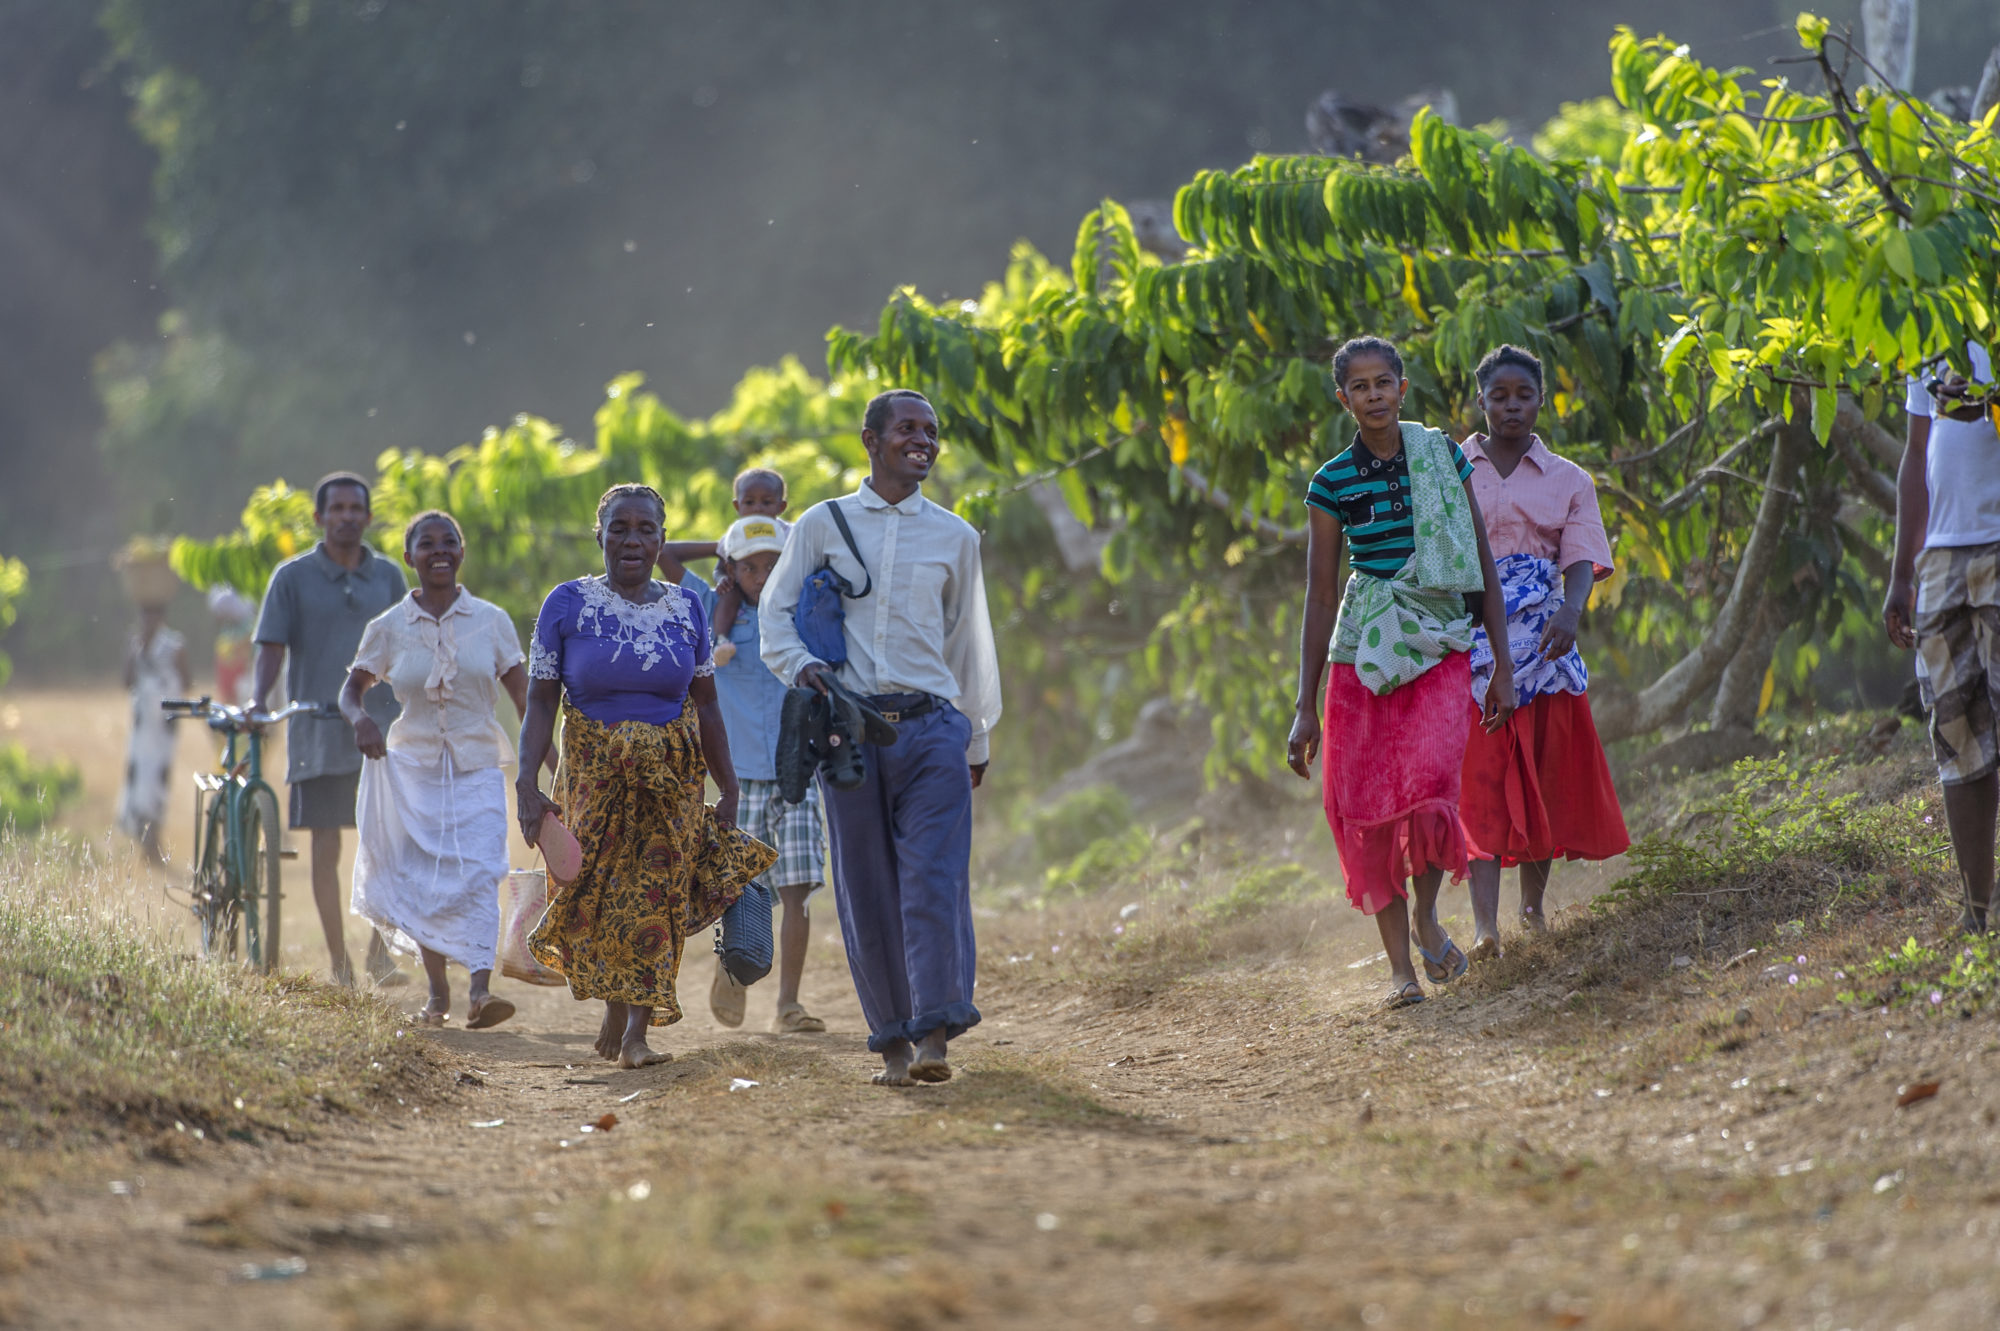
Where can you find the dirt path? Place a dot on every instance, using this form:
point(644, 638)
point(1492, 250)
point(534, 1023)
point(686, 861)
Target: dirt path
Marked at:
point(1216, 1130)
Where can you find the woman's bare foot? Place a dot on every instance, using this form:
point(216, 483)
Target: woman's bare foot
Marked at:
point(929, 1064)
point(895, 1066)
point(435, 1011)
point(611, 1035)
point(636, 1053)
point(342, 973)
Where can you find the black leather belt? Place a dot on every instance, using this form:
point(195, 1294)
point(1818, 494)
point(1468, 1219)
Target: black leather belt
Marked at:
point(896, 707)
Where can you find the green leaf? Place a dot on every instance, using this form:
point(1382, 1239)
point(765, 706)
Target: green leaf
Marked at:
point(1812, 31)
point(1897, 254)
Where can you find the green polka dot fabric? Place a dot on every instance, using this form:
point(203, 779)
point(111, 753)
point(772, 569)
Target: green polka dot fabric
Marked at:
point(1391, 630)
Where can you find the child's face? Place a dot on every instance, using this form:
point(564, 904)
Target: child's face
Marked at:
point(1511, 401)
point(760, 499)
point(751, 572)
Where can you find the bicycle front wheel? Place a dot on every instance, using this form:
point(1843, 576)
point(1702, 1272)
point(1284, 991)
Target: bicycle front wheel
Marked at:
point(215, 909)
point(263, 879)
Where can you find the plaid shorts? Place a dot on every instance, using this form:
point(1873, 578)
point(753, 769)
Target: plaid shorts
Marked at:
point(794, 829)
point(1958, 657)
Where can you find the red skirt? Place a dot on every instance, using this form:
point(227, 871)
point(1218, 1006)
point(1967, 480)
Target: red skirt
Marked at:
point(1539, 789)
point(1390, 774)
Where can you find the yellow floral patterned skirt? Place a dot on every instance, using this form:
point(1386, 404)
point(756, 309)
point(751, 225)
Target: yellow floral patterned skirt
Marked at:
point(657, 867)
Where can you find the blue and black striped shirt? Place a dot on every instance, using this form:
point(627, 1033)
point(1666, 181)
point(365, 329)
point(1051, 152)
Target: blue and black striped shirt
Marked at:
point(1371, 497)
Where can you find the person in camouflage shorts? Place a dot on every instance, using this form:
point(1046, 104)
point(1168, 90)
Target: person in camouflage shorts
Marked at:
point(1944, 601)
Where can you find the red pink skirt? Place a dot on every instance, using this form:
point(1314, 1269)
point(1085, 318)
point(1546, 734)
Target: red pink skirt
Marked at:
point(1539, 789)
point(1390, 772)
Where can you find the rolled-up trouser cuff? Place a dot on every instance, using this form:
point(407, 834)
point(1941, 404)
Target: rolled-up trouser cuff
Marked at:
point(956, 1018)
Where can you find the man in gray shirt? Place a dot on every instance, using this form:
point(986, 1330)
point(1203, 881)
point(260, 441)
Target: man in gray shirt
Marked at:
point(315, 609)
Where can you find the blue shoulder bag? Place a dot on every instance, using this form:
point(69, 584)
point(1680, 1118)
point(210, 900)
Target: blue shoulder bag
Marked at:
point(820, 617)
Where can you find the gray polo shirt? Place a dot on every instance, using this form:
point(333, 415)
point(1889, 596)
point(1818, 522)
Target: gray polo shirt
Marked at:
point(316, 610)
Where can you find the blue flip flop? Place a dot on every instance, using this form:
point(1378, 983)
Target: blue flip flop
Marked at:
point(1440, 965)
point(1408, 995)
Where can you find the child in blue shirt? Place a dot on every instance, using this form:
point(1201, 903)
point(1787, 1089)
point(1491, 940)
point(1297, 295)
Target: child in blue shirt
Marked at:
point(751, 698)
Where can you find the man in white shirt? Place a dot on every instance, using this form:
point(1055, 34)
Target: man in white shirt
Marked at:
point(920, 648)
point(1944, 600)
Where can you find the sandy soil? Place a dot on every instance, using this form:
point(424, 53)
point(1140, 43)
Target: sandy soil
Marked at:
point(1219, 1131)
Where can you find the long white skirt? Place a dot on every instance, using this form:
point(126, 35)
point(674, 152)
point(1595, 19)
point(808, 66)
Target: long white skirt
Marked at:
point(432, 851)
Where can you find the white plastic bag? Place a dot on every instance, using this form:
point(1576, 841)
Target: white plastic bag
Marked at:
point(524, 897)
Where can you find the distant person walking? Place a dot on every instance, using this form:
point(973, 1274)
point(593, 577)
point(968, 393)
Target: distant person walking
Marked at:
point(156, 669)
point(1538, 787)
point(752, 699)
point(1398, 672)
point(432, 806)
point(920, 647)
point(627, 663)
point(314, 613)
point(1944, 600)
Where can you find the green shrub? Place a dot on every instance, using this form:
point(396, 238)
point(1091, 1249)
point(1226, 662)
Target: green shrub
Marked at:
point(1103, 862)
point(1779, 811)
point(1066, 830)
point(1963, 977)
point(1261, 888)
point(33, 792)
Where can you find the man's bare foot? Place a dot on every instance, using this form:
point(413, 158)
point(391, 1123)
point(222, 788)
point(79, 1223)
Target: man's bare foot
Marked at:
point(636, 1053)
point(611, 1035)
point(895, 1066)
point(929, 1064)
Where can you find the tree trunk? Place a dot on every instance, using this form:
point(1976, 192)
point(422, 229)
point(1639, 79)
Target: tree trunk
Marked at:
point(1988, 92)
point(1081, 548)
point(1701, 669)
point(1742, 687)
point(1889, 31)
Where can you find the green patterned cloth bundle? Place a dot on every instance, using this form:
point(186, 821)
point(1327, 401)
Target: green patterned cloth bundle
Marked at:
point(1391, 630)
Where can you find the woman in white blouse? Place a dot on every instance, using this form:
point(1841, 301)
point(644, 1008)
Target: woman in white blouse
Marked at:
point(432, 809)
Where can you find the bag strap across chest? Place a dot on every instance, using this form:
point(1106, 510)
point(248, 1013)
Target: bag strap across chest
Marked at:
point(847, 534)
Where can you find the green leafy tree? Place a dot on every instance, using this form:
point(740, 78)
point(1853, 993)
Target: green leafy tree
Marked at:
point(1726, 305)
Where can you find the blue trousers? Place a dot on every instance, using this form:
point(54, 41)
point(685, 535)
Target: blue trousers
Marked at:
point(902, 856)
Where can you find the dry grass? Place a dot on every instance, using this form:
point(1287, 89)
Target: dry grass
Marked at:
point(713, 1240)
point(111, 1032)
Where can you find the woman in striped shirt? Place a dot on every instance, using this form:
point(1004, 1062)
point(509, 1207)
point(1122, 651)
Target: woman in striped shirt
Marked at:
point(1398, 671)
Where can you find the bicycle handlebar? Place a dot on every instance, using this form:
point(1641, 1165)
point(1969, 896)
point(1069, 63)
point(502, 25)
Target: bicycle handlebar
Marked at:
point(221, 716)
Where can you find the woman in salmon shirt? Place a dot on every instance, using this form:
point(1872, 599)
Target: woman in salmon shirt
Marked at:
point(1537, 788)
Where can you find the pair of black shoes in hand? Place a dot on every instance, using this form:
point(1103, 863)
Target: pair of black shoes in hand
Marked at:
point(826, 731)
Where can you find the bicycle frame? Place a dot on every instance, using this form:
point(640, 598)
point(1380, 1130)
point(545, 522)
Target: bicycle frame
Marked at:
point(236, 829)
point(227, 795)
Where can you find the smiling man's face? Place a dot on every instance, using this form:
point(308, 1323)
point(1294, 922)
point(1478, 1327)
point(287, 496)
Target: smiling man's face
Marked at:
point(906, 448)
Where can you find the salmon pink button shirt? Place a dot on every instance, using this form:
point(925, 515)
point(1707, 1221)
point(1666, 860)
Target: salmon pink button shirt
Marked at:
point(1547, 508)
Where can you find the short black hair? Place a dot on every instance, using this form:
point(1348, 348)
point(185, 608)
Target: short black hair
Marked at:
point(430, 515)
point(763, 474)
point(629, 490)
point(1509, 354)
point(877, 415)
point(1364, 346)
point(333, 478)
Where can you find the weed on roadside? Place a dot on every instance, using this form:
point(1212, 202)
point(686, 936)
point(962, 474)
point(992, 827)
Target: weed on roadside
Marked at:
point(111, 1032)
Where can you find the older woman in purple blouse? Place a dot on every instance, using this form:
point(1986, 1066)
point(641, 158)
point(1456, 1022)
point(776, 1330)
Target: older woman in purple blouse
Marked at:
point(626, 660)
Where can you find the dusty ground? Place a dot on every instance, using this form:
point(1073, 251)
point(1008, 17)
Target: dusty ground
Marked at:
point(1161, 1122)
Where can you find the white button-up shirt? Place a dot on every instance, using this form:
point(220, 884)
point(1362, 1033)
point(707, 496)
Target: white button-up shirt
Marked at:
point(924, 627)
point(445, 671)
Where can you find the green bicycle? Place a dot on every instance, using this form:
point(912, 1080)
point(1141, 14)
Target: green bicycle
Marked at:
point(238, 851)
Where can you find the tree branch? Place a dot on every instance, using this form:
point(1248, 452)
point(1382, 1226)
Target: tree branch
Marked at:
point(1851, 420)
point(1700, 670)
point(1241, 513)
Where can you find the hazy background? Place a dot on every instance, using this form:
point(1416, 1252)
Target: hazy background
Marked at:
point(249, 238)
